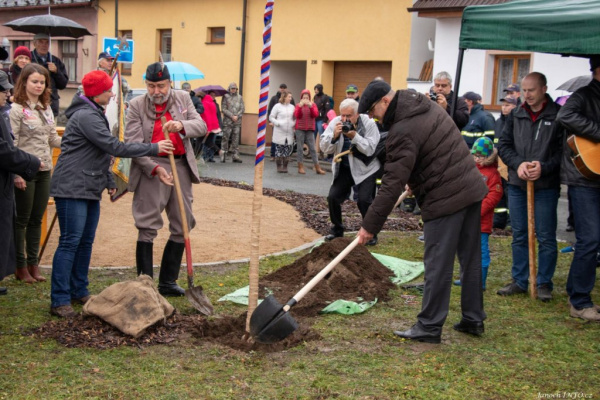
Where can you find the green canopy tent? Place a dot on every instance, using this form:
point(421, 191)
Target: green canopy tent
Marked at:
point(565, 27)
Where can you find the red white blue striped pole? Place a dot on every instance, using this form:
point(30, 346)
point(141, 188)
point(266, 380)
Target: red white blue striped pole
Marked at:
point(265, 67)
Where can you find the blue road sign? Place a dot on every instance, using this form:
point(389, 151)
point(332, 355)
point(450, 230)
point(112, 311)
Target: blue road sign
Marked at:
point(111, 46)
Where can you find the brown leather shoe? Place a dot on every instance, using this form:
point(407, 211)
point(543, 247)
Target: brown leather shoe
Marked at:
point(22, 274)
point(81, 301)
point(301, 168)
point(63, 311)
point(34, 271)
point(319, 170)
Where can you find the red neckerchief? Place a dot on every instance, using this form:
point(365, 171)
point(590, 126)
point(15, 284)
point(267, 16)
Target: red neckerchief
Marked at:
point(158, 135)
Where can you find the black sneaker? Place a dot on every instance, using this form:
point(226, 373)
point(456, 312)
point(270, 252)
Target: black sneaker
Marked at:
point(510, 289)
point(544, 293)
point(372, 242)
point(331, 236)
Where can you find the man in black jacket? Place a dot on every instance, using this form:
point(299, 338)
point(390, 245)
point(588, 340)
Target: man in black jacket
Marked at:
point(58, 74)
point(449, 189)
point(581, 116)
point(531, 148)
point(12, 161)
point(442, 83)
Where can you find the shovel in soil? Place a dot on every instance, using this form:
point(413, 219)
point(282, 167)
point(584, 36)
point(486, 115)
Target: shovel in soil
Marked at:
point(195, 295)
point(271, 322)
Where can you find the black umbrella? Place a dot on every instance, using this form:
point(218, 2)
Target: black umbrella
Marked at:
point(575, 83)
point(51, 25)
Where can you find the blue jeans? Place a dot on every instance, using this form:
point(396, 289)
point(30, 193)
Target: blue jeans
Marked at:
point(485, 250)
point(546, 202)
point(78, 220)
point(582, 275)
point(319, 128)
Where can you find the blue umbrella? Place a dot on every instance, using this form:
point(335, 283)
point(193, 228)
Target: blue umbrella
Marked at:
point(181, 71)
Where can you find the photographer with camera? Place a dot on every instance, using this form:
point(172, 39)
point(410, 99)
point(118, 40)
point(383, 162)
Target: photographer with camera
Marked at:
point(358, 133)
point(442, 91)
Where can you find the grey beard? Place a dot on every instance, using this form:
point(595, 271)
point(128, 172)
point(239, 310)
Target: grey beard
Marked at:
point(159, 99)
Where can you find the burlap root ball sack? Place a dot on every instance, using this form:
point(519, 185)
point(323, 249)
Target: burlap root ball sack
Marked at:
point(130, 306)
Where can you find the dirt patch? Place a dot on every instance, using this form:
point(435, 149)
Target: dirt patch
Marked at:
point(359, 275)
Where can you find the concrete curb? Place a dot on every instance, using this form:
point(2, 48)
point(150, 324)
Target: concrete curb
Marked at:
point(215, 263)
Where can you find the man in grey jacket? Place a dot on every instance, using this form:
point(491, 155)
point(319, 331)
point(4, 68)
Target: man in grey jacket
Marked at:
point(359, 132)
point(150, 197)
point(531, 147)
point(581, 116)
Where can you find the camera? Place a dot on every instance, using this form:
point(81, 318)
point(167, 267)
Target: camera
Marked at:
point(432, 95)
point(347, 126)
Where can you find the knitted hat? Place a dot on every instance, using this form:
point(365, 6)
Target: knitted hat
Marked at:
point(483, 147)
point(22, 51)
point(157, 72)
point(95, 83)
point(594, 62)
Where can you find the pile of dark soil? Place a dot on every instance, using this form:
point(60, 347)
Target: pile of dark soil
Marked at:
point(358, 277)
point(93, 332)
point(314, 211)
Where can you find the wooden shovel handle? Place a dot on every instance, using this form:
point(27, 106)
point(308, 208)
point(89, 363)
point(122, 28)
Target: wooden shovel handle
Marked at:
point(338, 157)
point(184, 225)
point(317, 278)
point(401, 199)
point(531, 237)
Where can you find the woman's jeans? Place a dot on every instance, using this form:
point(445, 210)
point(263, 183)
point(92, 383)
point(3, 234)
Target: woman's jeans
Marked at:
point(78, 220)
point(31, 206)
point(546, 202)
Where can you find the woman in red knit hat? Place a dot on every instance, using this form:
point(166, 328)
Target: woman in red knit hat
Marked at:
point(21, 57)
point(81, 175)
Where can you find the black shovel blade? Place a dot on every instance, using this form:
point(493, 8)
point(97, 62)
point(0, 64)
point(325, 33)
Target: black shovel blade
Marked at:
point(270, 323)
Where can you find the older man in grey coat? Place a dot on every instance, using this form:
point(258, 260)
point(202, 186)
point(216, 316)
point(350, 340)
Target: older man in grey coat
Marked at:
point(150, 197)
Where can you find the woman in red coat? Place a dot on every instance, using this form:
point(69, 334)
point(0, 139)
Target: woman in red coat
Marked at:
point(305, 114)
point(212, 126)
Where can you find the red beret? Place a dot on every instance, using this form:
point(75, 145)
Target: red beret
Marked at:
point(22, 51)
point(95, 83)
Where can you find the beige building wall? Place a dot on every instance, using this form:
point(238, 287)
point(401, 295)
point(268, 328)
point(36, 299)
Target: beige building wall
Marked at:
point(316, 32)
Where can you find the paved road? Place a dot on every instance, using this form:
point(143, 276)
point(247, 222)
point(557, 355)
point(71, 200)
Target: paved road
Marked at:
point(312, 183)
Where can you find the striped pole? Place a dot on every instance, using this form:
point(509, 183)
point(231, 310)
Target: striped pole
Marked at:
point(265, 67)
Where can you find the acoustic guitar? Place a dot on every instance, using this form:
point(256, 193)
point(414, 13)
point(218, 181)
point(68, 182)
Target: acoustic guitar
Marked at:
point(586, 156)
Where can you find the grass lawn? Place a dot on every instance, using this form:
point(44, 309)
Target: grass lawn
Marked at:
point(530, 349)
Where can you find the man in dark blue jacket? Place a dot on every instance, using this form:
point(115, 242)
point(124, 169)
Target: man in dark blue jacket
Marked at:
point(58, 73)
point(581, 116)
point(481, 122)
point(531, 146)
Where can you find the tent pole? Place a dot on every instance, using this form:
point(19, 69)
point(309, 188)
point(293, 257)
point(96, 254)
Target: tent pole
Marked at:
point(461, 53)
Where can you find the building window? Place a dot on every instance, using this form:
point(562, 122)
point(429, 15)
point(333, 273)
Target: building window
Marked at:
point(165, 44)
point(216, 35)
point(69, 58)
point(17, 43)
point(126, 67)
point(508, 68)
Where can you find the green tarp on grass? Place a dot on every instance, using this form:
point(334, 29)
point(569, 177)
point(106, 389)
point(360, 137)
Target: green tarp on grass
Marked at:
point(544, 26)
point(404, 271)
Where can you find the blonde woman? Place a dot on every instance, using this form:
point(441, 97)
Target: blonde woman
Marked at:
point(282, 117)
point(34, 129)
